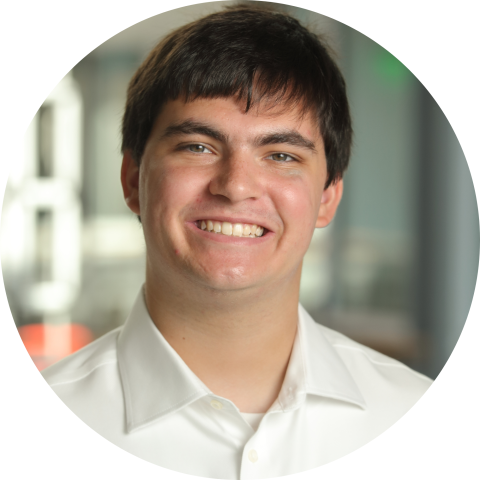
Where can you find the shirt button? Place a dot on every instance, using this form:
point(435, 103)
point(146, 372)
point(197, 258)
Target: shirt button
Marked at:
point(253, 456)
point(216, 404)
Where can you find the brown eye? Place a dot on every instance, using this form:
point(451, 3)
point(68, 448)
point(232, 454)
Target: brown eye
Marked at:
point(281, 157)
point(198, 149)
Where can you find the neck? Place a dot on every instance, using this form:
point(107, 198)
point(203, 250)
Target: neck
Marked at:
point(237, 342)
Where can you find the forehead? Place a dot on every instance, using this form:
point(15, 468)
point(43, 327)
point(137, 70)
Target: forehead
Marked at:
point(230, 115)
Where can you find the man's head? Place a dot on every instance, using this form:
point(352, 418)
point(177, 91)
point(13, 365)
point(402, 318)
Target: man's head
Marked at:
point(238, 119)
point(254, 55)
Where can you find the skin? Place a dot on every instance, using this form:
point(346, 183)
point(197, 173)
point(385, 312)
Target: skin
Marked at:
point(228, 305)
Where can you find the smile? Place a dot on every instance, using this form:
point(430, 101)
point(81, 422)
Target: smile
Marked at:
point(244, 230)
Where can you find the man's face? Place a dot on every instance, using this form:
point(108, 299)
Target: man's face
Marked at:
point(208, 163)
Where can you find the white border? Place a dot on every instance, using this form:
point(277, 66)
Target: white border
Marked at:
point(42, 41)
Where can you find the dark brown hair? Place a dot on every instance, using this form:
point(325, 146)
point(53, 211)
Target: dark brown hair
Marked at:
point(252, 54)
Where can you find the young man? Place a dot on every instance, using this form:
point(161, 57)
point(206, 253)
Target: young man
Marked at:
point(235, 138)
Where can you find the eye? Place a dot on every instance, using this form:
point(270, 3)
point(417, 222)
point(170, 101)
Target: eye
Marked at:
point(197, 148)
point(281, 157)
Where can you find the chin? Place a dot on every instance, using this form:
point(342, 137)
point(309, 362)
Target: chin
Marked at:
point(232, 279)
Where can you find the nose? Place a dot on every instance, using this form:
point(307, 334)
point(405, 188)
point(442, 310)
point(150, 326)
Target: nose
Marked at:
point(237, 179)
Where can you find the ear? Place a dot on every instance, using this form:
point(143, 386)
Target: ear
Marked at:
point(331, 197)
point(130, 179)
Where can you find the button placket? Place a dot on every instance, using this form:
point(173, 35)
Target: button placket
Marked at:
point(253, 455)
point(216, 404)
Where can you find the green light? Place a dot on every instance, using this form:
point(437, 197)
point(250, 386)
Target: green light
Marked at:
point(390, 68)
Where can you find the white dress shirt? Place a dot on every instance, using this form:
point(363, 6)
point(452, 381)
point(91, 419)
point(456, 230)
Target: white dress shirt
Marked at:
point(134, 389)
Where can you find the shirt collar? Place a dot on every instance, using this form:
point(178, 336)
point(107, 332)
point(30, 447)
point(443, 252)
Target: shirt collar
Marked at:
point(157, 382)
point(316, 368)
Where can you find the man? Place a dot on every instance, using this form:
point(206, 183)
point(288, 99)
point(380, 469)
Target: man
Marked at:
point(236, 135)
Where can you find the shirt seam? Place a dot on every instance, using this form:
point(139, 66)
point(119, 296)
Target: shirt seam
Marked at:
point(302, 352)
point(83, 376)
point(346, 398)
point(167, 411)
point(302, 356)
point(385, 364)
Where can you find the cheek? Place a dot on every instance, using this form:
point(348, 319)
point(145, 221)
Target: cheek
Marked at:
point(298, 204)
point(168, 190)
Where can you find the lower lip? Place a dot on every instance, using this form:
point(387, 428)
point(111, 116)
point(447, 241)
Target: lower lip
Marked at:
point(230, 239)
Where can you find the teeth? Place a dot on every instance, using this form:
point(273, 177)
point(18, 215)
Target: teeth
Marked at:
point(226, 228)
point(236, 229)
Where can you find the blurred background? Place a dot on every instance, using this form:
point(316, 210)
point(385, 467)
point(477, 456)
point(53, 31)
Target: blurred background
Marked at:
point(396, 270)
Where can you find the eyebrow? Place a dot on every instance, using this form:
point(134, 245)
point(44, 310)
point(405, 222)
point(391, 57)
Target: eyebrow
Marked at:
point(191, 127)
point(290, 137)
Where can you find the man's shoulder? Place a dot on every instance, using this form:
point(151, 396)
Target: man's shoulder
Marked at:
point(76, 367)
point(88, 382)
point(374, 371)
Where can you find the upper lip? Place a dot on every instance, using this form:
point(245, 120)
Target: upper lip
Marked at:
point(249, 221)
